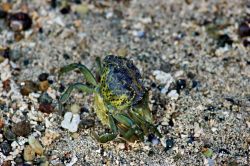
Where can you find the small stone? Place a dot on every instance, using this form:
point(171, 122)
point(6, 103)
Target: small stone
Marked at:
point(86, 123)
point(121, 146)
point(6, 85)
point(173, 95)
point(75, 108)
point(207, 152)
point(43, 86)
point(29, 86)
point(71, 121)
point(46, 108)
point(22, 128)
point(244, 30)
point(36, 146)
point(169, 144)
point(28, 153)
point(65, 10)
point(1, 122)
point(5, 52)
point(49, 137)
point(224, 40)
point(45, 98)
point(3, 14)
point(43, 77)
point(6, 163)
point(5, 148)
point(8, 134)
point(180, 84)
point(19, 21)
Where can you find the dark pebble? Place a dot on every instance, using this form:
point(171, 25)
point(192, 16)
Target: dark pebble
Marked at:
point(87, 123)
point(244, 30)
point(190, 75)
point(18, 160)
point(65, 10)
point(151, 153)
point(78, 2)
point(171, 123)
point(19, 21)
point(191, 139)
point(66, 56)
point(53, 3)
point(46, 108)
point(166, 67)
point(61, 88)
point(169, 144)
point(223, 40)
point(45, 98)
point(43, 77)
point(22, 128)
point(3, 14)
point(8, 134)
point(84, 109)
point(151, 137)
point(180, 84)
point(5, 52)
point(26, 62)
point(195, 84)
point(246, 43)
point(224, 151)
point(5, 148)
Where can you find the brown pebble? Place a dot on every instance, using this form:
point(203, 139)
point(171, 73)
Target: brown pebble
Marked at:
point(29, 87)
point(46, 108)
point(6, 7)
point(43, 86)
point(21, 128)
point(6, 85)
point(6, 163)
point(28, 153)
point(1, 122)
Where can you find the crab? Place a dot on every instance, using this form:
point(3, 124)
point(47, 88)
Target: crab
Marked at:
point(120, 99)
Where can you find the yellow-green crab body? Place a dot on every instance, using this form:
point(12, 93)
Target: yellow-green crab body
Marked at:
point(121, 101)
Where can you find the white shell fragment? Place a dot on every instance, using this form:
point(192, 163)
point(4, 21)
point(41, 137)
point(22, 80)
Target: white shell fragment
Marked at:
point(71, 121)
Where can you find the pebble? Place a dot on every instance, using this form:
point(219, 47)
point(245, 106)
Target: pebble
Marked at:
point(71, 121)
point(75, 108)
point(45, 98)
point(173, 95)
point(22, 128)
point(46, 108)
point(36, 146)
point(163, 78)
point(244, 30)
point(44, 85)
point(180, 84)
point(8, 134)
point(19, 21)
point(49, 137)
point(29, 86)
point(43, 76)
point(5, 148)
point(169, 144)
point(28, 153)
point(224, 40)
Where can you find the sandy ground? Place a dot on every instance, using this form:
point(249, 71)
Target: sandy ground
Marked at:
point(202, 109)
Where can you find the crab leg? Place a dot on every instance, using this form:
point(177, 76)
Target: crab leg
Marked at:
point(146, 126)
point(83, 69)
point(127, 127)
point(79, 86)
point(99, 65)
point(108, 136)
